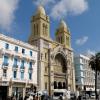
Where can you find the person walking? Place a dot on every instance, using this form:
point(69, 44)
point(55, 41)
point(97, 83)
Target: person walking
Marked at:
point(60, 98)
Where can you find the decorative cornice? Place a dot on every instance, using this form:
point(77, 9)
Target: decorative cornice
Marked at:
point(18, 42)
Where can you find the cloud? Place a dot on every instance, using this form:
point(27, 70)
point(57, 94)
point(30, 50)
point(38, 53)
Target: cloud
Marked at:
point(43, 2)
point(59, 8)
point(7, 9)
point(91, 52)
point(82, 40)
point(64, 7)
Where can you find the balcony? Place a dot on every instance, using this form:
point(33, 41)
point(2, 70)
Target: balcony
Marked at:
point(18, 80)
point(22, 68)
point(30, 69)
point(5, 51)
point(17, 54)
point(5, 65)
point(15, 67)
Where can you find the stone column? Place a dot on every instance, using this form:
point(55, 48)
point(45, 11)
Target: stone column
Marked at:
point(10, 91)
point(24, 92)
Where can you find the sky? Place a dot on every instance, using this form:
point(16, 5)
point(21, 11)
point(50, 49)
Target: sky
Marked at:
point(81, 16)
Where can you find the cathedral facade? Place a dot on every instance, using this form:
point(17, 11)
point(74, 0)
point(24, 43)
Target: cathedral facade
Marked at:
point(55, 58)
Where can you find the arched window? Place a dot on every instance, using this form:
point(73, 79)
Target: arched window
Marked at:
point(61, 39)
point(59, 85)
point(64, 85)
point(55, 85)
point(67, 40)
point(36, 28)
point(43, 28)
point(61, 63)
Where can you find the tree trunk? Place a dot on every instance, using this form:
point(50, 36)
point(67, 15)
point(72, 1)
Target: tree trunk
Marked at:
point(96, 84)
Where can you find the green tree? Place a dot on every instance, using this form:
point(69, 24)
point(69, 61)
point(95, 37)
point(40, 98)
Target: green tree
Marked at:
point(95, 65)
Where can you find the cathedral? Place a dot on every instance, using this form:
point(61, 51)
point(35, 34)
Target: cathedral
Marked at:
point(55, 57)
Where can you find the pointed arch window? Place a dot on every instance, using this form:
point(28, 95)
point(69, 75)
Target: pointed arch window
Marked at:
point(36, 28)
point(55, 85)
point(61, 40)
point(43, 28)
point(67, 40)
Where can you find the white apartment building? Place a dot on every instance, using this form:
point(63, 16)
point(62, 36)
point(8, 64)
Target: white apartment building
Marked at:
point(85, 77)
point(18, 66)
point(98, 81)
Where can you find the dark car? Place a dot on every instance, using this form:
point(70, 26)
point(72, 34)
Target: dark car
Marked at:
point(85, 96)
point(72, 96)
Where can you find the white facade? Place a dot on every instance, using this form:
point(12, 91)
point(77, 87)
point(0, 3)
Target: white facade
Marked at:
point(85, 78)
point(98, 80)
point(18, 65)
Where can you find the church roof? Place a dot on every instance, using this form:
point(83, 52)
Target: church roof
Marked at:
point(41, 10)
point(62, 24)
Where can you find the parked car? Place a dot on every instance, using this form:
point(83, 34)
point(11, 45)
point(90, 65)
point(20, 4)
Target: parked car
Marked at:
point(72, 96)
point(60, 93)
point(92, 95)
point(85, 96)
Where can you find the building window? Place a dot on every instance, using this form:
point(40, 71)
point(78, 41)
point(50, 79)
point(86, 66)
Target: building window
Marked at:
point(30, 53)
point(45, 68)
point(41, 56)
point(23, 51)
point(16, 48)
point(22, 64)
point(59, 85)
point(37, 28)
point(14, 74)
point(45, 55)
point(55, 85)
point(30, 64)
point(7, 46)
point(30, 76)
point(5, 61)
point(46, 85)
point(15, 62)
point(34, 29)
point(67, 41)
point(22, 75)
point(64, 85)
point(61, 40)
point(43, 28)
point(5, 73)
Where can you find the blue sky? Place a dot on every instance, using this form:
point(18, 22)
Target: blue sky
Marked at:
point(81, 16)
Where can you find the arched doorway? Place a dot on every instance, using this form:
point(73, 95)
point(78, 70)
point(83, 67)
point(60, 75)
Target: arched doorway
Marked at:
point(60, 72)
point(55, 85)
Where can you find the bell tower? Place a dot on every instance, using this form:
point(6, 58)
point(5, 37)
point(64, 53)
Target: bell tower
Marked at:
point(63, 34)
point(39, 25)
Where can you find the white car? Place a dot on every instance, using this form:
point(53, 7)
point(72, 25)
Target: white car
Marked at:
point(93, 95)
point(60, 93)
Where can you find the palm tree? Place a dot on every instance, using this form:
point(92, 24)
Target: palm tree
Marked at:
point(95, 65)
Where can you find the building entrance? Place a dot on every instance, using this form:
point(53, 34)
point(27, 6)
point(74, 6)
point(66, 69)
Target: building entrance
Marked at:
point(3, 92)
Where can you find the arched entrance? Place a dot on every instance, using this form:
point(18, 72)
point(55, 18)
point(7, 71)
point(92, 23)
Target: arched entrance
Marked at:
point(60, 71)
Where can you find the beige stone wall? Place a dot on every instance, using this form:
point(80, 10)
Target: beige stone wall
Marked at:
point(44, 44)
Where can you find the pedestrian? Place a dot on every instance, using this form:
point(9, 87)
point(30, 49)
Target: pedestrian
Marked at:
point(26, 97)
point(60, 98)
point(79, 97)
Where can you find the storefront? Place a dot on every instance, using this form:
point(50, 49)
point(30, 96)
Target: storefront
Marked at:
point(18, 90)
point(3, 90)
